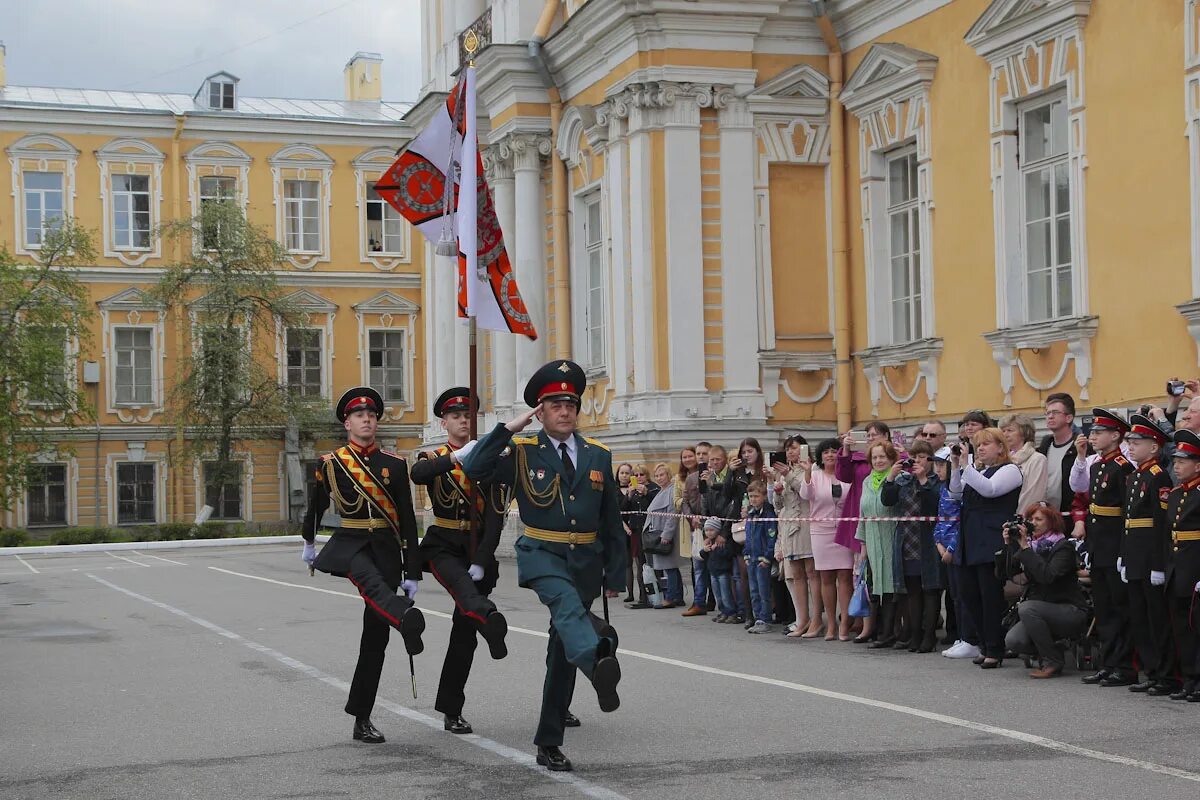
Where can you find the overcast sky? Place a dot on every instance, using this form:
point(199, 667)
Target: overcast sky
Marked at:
point(171, 45)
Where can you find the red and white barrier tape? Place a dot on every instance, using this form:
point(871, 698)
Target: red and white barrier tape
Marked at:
point(514, 512)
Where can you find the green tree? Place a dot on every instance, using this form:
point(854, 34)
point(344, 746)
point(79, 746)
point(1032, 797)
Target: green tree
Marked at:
point(44, 315)
point(227, 388)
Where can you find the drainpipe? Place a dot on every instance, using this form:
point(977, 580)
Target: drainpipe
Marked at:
point(176, 514)
point(558, 188)
point(841, 220)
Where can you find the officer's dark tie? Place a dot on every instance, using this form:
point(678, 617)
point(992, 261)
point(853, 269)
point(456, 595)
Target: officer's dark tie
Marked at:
point(568, 467)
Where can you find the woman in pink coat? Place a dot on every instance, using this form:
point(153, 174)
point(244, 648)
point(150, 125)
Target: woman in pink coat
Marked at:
point(826, 496)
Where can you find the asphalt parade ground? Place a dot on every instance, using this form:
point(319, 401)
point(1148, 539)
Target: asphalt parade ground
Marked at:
point(222, 672)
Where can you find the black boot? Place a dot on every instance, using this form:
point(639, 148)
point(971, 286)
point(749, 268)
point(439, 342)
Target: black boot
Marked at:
point(606, 674)
point(553, 759)
point(367, 733)
point(887, 623)
point(929, 617)
point(493, 632)
point(412, 625)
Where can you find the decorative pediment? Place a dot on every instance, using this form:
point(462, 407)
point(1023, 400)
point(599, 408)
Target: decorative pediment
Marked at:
point(889, 72)
point(217, 152)
point(132, 299)
point(387, 303)
point(578, 121)
point(1008, 24)
point(42, 145)
point(134, 150)
point(311, 302)
point(800, 81)
point(301, 155)
point(376, 158)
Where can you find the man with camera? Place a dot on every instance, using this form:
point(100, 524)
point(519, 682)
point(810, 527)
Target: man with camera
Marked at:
point(1053, 607)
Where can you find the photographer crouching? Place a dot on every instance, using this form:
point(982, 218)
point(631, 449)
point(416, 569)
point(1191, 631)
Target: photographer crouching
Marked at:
point(1053, 607)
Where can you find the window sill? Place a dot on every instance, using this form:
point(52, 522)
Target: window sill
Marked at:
point(894, 355)
point(595, 373)
point(1076, 332)
point(133, 249)
point(1033, 335)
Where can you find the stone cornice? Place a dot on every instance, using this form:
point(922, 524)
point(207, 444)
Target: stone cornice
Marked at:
point(1005, 27)
point(321, 280)
point(890, 72)
point(505, 76)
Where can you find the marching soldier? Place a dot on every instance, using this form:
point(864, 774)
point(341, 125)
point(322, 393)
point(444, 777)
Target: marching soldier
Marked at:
point(458, 549)
point(1103, 476)
point(1143, 561)
point(573, 539)
point(375, 546)
point(1183, 515)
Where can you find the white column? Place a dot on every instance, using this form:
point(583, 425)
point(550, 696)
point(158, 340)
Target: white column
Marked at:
point(618, 223)
point(531, 248)
point(504, 345)
point(641, 249)
point(739, 272)
point(684, 240)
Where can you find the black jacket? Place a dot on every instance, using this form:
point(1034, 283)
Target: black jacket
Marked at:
point(1067, 495)
point(450, 493)
point(1053, 576)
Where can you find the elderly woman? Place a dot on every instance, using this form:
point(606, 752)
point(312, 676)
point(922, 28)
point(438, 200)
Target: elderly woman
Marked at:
point(880, 543)
point(662, 522)
point(1019, 433)
point(793, 546)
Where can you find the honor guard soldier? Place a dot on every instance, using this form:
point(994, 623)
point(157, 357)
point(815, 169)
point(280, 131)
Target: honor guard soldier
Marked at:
point(1183, 573)
point(375, 545)
point(1103, 476)
point(573, 539)
point(1143, 561)
point(459, 550)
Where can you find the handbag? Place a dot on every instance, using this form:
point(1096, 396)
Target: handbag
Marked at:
point(860, 601)
point(739, 532)
point(653, 544)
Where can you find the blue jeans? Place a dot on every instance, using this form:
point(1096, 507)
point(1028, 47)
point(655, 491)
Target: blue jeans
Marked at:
point(674, 590)
point(699, 581)
point(760, 590)
point(739, 594)
point(722, 583)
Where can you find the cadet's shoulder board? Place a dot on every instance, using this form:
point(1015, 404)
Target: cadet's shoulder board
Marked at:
point(393, 455)
point(326, 456)
point(1121, 460)
point(1155, 469)
point(524, 440)
point(601, 445)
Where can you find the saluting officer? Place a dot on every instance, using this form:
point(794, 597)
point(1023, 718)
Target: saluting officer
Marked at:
point(1183, 515)
point(375, 546)
point(459, 550)
point(1103, 476)
point(573, 539)
point(1144, 552)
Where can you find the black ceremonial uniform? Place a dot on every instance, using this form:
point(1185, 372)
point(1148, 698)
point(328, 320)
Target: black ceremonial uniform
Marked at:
point(1183, 572)
point(375, 546)
point(1144, 550)
point(1105, 527)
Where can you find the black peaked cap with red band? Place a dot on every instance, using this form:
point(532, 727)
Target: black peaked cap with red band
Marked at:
point(359, 397)
point(456, 398)
point(1103, 418)
point(1142, 427)
point(1187, 445)
point(558, 380)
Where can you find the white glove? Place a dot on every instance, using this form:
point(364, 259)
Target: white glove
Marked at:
point(476, 572)
point(464, 451)
point(1120, 564)
point(1197, 586)
point(409, 588)
point(310, 553)
point(1123, 578)
point(1157, 578)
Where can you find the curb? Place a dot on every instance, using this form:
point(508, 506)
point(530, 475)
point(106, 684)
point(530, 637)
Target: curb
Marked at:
point(180, 544)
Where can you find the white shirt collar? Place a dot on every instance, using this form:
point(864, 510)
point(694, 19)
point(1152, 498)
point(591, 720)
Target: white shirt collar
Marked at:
point(569, 442)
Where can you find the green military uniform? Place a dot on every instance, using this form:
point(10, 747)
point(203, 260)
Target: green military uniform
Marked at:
point(573, 541)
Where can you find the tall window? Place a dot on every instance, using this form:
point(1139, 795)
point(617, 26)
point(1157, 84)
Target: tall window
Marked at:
point(225, 496)
point(48, 355)
point(131, 212)
point(46, 494)
point(215, 189)
point(135, 371)
point(904, 249)
point(304, 361)
point(135, 493)
point(594, 317)
point(43, 205)
point(385, 226)
point(301, 205)
point(1046, 192)
point(387, 364)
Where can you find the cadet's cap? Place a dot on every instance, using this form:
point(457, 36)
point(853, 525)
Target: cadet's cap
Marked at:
point(1187, 445)
point(1107, 420)
point(558, 380)
point(358, 398)
point(1142, 427)
point(457, 398)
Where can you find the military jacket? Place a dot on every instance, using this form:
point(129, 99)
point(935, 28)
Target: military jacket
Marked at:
point(1183, 515)
point(454, 522)
point(1105, 524)
point(1146, 545)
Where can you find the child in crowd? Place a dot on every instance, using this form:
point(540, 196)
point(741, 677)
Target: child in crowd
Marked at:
point(720, 570)
point(761, 530)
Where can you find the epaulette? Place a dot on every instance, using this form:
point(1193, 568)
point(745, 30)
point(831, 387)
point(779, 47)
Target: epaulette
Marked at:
point(1155, 469)
point(599, 444)
point(524, 440)
point(1121, 460)
point(390, 453)
point(326, 456)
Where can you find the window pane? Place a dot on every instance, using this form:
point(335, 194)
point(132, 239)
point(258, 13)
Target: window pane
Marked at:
point(1058, 128)
point(900, 287)
point(1062, 188)
point(593, 223)
point(1039, 295)
point(1065, 300)
point(44, 180)
point(1037, 245)
point(1062, 235)
point(1037, 195)
point(899, 225)
point(1037, 134)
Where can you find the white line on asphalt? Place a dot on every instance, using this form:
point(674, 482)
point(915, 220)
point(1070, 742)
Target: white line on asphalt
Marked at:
point(933, 716)
point(32, 568)
point(158, 558)
point(510, 754)
point(123, 558)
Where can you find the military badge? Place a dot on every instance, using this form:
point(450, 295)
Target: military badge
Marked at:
point(386, 476)
point(596, 476)
point(541, 473)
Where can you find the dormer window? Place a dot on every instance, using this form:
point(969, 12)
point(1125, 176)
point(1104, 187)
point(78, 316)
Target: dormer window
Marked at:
point(220, 95)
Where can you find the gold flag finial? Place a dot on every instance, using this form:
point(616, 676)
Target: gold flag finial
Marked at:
point(471, 44)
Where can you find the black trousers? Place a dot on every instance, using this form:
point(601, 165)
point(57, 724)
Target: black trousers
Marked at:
point(1150, 628)
point(983, 599)
point(1186, 640)
point(383, 611)
point(471, 607)
point(557, 691)
point(1110, 599)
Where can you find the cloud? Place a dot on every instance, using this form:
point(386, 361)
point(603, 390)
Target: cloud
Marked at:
point(142, 44)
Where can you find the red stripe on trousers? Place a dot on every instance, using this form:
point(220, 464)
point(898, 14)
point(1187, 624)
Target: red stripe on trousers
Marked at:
point(457, 604)
point(394, 622)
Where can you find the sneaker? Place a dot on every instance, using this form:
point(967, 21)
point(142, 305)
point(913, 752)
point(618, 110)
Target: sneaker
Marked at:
point(963, 650)
point(759, 627)
point(740, 620)
point(952, 646)
point(719, 618)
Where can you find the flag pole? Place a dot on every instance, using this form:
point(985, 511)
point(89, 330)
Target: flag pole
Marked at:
point(471, 44)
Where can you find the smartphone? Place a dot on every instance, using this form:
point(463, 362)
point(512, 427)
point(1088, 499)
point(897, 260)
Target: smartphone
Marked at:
point(1085, 424)
point(778, 457)
point(804, 452)
point(633, 481)
point(860, 441)
point(899, 439)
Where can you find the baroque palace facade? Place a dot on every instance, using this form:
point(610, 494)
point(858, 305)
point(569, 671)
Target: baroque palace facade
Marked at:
point(768, 216)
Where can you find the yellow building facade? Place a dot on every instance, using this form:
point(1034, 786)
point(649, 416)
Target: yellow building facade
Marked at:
point(123, 163)
point(770, 216)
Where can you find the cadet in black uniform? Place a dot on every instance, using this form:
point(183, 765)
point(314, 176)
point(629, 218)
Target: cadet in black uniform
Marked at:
point(1143, 561)
point(459, 550)
point(1103, 477)
point(375, 546)
point(1183, 573)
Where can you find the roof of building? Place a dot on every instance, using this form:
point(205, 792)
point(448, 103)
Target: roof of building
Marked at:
point(159, 102)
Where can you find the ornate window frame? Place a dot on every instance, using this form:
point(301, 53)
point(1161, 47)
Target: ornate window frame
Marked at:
point(136, 454)
point(1035, 49)
point(390, 312)
point(218, 159)
point(312, 306)
point(130, 308)
point(21, 507)
point(368, 168)
point(247, 460)
point(131, 157)
point(305, 163)
point(39, 152)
